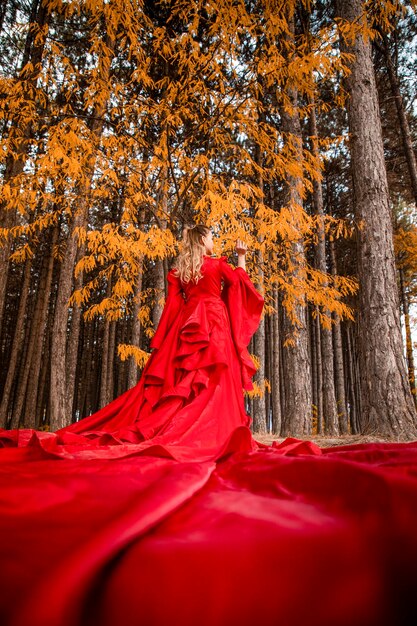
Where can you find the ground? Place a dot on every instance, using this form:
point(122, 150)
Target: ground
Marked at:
point(327, 442)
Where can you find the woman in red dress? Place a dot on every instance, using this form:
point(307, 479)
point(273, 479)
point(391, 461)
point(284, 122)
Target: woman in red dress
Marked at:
point(191, 389)
point(161, 508)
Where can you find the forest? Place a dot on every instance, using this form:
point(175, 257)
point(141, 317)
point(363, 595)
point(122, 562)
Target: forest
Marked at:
point(289, 124)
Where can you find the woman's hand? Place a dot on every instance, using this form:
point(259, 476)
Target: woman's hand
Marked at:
point(241, 247)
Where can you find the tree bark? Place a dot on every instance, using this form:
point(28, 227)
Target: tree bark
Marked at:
point(387, 406)
point(105, 354)
point(408, 337)
point(402, 115)
point(42, 400)
point(276, 365)
point(61, 412)
point(318, 353)
point(110, 361)
point(34, 364)
point(132, 374)
point(330, 420)
point(338, 357)
point(73, 341)
point(297, 418)
point(259, 407)
point(16, 349)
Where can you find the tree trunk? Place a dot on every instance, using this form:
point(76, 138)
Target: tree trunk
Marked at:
point(297, 419)
point(387, 406)
point(402, 115)
point(408, 338)
point(318, 353)
point(159, 282)
point(331, 426)
point(259, 407)
point(28, 377)
point(132, 374)
point(91, 378)
point(338, 357)
point(275, 376)
point(110, 361)
point(61, 413)
point(73, 341)
point(16, 350)
point(282, 377)
point(104, 389)
point(267, 371)
point(85, 369)
point(34, 363)
point(42, 400)
point(352, 370)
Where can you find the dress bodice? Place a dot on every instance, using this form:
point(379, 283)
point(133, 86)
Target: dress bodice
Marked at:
point(209, 286)
point(199, 314)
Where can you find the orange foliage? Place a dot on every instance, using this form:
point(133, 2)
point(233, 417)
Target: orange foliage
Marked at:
point(181, 118)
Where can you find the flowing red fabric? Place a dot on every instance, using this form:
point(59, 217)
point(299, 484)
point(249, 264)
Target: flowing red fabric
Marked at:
point(162, 509)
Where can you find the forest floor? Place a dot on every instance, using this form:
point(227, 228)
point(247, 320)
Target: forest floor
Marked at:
point(327, 442)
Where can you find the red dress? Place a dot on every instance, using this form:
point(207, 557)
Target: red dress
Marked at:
point(162, 509)
point(191, 389)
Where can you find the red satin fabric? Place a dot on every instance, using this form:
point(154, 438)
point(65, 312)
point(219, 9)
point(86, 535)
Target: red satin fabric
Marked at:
point(161, 508)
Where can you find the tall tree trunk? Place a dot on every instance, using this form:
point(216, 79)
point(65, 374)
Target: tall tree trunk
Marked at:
point(282, 381)
point(297, 419)
point(34, 364)
point(331, 426)
point(162, 202)
point(110, 361)
point(85, 369)
point(259, 407)
point(132, 374)
point(42, 401)
point(16, 349)
point(73, 341)
point(104, 389)
point(91, 378)
point(387, 406)
point(276, 365)
point(61, 412)
point(318, 352)
point(159, 282)
point(408, 338)
point(313, 361)
point(338, 357)
point(268, 370)
point(402, 115)
point(354, 383)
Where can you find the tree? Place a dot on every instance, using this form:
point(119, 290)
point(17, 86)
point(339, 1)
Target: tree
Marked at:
point(387, 405)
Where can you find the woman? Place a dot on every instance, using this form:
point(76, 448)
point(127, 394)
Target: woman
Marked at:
point(187, 534)
point(191, 389)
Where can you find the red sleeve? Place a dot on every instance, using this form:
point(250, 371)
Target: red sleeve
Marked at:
point(244, 304)
point(173, 305)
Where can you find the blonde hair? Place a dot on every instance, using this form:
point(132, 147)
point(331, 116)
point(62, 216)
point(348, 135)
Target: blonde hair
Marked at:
point(190, 259)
